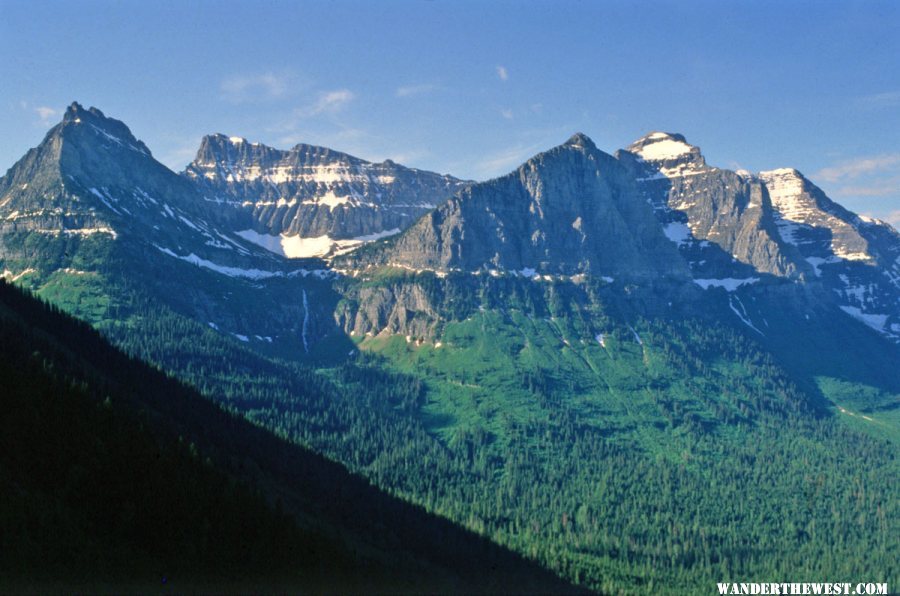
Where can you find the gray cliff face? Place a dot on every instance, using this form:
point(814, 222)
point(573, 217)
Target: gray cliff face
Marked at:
point(91, 177)
point(739, 225)
point(571, 210)
point(405, 309)
point(854, 257)
point(313, 191)
point(720, 219)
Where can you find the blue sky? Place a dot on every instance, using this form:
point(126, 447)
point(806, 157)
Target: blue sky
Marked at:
point(474, 88)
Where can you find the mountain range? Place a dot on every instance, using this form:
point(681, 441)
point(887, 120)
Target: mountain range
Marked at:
point(559, 358)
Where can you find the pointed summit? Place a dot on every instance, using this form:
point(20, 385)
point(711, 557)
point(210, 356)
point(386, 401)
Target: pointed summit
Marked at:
point(92, 128)
point(567, 211)
point(580, 140)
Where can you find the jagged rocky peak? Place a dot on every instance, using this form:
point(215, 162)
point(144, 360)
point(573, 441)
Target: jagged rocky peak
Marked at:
point(789, 190)
point(323, 200)
point(93, 127)
point(83, 149)
point(856, 258)
point(567, 211)
point(218, 150)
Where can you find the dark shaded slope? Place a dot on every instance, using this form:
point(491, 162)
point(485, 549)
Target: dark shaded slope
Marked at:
point(116, 477)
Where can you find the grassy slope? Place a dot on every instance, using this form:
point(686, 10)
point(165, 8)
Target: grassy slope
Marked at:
point(701, 399)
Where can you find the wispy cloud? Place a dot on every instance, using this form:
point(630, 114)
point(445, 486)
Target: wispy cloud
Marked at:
point(265, 86)
point(886, 99)
point(893, 218)
point(328, 102)
point(46, 115)
point(507, 113)
point(414, 90)
point(853, 168)
point(502, 73)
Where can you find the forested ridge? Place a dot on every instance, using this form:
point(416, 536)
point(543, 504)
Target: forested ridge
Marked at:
point(116, 477)
point(660, 466)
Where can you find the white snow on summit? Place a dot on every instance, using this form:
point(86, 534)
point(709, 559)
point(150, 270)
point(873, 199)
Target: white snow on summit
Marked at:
point(796, 209)
point(665, 148)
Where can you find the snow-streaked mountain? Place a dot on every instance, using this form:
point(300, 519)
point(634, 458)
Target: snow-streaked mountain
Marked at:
point(737, 225)
point(312, 201)
point(91, 218)
point(568, 211)
point(91, 177)
point(91, 199)
point(654, 211)
point(856, 257)
point(716, 216)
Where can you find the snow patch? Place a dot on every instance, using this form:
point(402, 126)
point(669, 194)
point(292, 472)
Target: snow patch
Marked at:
point(189, 223)
point(742, 314)
point(817, 262)
point(678, 233)
point(224, 270)
point(104, 198)
point(292, 247)
point(297, 247)
point(875, 321)
point(729, 283)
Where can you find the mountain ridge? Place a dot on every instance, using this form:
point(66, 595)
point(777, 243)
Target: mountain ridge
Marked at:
point(556, 359)
point(333, 199)
point(728, 228)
